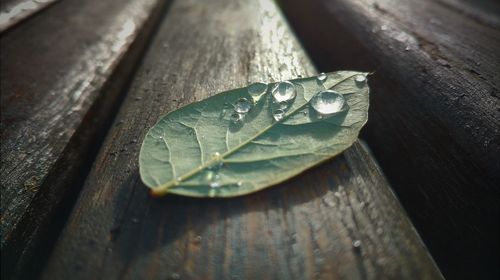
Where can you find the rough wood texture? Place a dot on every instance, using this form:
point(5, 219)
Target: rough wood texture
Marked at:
point(60, 80)
point(15, 11)
point(434, 120)
point(302, 229)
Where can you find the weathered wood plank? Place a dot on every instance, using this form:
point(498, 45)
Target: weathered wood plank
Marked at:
point(61, 74)
point(434, 120)
point(15, 11)
point(302, 229)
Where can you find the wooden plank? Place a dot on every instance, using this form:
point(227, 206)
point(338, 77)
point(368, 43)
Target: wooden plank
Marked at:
point(15, 11)
point(434, 119)
point(60, 78)
point(302, 229)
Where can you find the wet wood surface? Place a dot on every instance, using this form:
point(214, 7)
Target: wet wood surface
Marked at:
point(60, 79)
point(434, 113)
point(339, 220)
point(15, 11)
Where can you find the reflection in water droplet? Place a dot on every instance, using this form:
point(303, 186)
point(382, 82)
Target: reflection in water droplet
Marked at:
point(215, 181)
point(360, 79)
point(278, 114)
point(356, 243)
point(256, 90)
point(179, 179)
point(242, 106)
point(284, 91)
point(235, 117)
point(321, 77)
point(328, 102)
point(240, 183)
point(304, 112)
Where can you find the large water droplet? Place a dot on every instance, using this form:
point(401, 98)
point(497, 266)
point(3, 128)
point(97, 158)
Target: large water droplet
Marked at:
point(328, 102)
point(278, 114)
point(321, 77)
point(256, 90)
point(242, 106)
point(284, 91)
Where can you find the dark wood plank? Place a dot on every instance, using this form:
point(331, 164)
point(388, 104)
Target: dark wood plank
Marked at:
point(434, 120)
point(60, 81)
point(15, 11)
point(339, 220)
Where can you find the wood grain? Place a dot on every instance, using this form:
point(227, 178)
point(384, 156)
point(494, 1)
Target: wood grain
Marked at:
point(60, 78)
point(306, 228)
point(434, 120)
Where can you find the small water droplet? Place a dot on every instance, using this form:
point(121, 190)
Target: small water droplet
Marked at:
point(240, 183)
point(179, 179)
point(304, 113)
point(328, 102)
point(215, 184)
point(360, 79)
point(356, 243)
point(284, 91)
point(278, 114)
point(383, 27)
point(242, 106)
point(197, 239)
point(321, 77)
point(256, 90)
point(283, 105)
point(235, 117)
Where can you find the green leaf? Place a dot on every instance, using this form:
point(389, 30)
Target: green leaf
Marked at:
point(199, 150)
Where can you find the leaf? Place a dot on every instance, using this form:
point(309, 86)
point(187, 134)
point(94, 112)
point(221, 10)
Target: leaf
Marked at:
point(199, 150)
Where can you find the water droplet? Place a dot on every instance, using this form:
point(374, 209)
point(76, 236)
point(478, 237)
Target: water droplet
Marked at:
point(179, 179)
point(283, 105)
point(235, 117)
point(328, 102)
point(242, 106)
point(240, 183)
point(256, 90)
point(278, 114)
point(304, 112)
point(356, 243)
point(214, 184)
point(360, 79)
point(284, 91)
point(321, 77)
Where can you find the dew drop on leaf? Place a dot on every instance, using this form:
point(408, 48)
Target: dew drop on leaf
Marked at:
point(322, 77)
point(360, 80)
point(256, 90)
point(235, 117)
point(284, 91)
point(242, 106)
point(328, 102)
point(278, 114)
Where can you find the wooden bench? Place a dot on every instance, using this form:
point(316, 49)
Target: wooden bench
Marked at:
point(434, 119)
point(82, 81)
